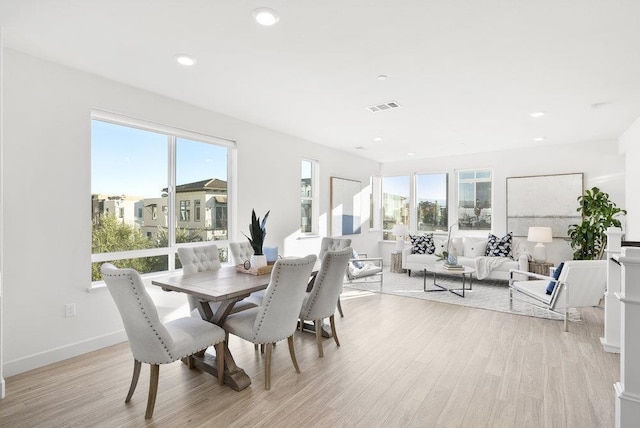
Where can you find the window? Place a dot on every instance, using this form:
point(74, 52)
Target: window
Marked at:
point(155, 172)
point(431, 202)
point(474, 200)
point(196, 210)
point(395, 204)
point(374, 203)
point(308, 196)
point(185, 210)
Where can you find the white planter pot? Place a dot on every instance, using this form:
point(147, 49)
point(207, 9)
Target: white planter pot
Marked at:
point(258, 261)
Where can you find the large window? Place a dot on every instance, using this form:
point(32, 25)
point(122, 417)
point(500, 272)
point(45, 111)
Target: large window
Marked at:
point(474, 200)
point(144, 178)
point(395, 204)
point(308, 196)
point(431, 202)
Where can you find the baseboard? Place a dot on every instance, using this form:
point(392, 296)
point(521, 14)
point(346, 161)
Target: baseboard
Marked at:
point(21, 365)
point(2, 390)
point(610, 347)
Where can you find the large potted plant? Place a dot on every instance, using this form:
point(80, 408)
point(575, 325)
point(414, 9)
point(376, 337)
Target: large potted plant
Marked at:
point(588, 239)
point(257, 231)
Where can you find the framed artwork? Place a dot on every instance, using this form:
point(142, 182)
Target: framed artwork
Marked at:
point(544, 200)
point(345, 206)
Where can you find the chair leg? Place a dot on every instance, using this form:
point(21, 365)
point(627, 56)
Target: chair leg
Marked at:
point(134, 380)
point(340, 308)
point(332, 321)
point(220, 360)
point(510, 299)
point(566, 315)
point(153, 390)
point(262, 348)
point(267, 367)
point(318, 328)
point(292, 352)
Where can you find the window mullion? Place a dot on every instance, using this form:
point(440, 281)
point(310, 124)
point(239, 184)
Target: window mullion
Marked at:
point(171, 201)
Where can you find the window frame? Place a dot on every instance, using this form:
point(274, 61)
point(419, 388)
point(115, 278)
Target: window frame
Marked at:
point(410, 215)
point(475, 180)
point(172, 134)
point(314, 198)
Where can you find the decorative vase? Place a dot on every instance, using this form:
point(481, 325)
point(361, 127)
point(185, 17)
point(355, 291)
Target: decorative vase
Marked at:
point(452, 259)
point(258, 261)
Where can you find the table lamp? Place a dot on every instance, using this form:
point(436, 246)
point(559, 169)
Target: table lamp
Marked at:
point(400, 231)
point(540, 235)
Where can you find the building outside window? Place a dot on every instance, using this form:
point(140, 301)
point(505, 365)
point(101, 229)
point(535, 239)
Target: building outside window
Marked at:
point(474, 200)
point(196, 210)
point(395, 204)
point(308, 196)
point(132, 162)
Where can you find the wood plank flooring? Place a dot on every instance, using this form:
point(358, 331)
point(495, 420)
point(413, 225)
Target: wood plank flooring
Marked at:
point(403, 363)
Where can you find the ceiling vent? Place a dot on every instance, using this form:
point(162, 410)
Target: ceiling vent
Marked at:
point(384, 106)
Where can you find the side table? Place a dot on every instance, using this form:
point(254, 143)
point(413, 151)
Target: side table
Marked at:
point(541, 268)
point(396, 263)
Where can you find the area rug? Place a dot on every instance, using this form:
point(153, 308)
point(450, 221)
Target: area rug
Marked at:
point(486, 294)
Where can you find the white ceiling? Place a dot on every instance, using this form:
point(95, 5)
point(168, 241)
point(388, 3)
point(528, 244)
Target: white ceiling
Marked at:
point(467, 73)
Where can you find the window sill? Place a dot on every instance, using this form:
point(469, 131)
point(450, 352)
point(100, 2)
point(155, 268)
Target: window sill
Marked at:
point(310, 236)
point(146, 278)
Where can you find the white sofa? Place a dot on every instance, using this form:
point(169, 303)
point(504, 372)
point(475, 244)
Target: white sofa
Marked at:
point(471, 253)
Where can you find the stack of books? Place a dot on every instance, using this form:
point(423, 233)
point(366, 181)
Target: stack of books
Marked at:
point(453, 267)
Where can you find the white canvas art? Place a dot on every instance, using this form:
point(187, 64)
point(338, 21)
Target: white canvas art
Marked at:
point(546, 200)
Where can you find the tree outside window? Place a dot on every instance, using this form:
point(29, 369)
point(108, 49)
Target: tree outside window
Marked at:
point(395, 204)
point(474, 200)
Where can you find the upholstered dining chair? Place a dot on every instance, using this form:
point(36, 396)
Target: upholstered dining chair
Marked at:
point(204, 258)
point(332, 244)
point(276, 318)
point(321, 301)
point(151, 341)
point(240, 252)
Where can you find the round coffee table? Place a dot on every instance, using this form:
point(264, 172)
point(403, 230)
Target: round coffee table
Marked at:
point(464, 272)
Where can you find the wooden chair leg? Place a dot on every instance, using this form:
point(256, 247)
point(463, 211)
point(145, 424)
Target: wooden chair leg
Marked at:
point(153, 390)
point(333, 329)
point(340, 308)
point(220, 360)
point(318, 328)
point(267, 367)
point(262, 348)
point(134, 380)
point(292, 352)
point(255, 346)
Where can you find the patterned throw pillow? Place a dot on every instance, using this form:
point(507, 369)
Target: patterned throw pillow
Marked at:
point(499, 247)
point(422, 244)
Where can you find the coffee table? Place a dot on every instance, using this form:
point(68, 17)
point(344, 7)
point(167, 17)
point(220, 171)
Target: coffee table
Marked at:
point(439, 269)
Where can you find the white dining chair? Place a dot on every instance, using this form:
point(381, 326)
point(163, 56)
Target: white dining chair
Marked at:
point(332, 244)
point(151, 341)
point(240, 252)
point(203, 258)
point(321, 301)
point(277, 316)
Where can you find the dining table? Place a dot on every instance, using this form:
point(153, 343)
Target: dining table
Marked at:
point(226, 286)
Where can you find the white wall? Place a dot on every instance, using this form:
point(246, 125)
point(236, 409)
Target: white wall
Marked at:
point(47, 164)
point(600, 162)
point(630, 146)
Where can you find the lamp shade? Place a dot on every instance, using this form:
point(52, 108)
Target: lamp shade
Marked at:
point(400, 230)
point(540, 234)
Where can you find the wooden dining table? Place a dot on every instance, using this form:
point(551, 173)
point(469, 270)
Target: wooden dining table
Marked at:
point(226, 286)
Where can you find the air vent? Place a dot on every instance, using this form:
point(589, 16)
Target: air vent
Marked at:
point(384, 106)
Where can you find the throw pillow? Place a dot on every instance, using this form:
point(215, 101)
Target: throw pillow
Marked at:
point(499, 247)
point(422, 244)
point(354, 262)
point(556, 275)
point(474, 247)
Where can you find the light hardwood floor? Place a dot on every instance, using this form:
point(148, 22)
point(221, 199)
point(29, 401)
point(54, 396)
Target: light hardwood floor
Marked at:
point(403, 362)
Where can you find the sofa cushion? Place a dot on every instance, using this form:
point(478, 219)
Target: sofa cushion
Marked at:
point(474, 247)
point(422, 244)
point(499, 247)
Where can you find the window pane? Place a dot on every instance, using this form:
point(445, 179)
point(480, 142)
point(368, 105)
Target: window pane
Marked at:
point(305, 182)
point(305, 217)
point(474, 200)
point(128, 175)
point(395, 203)
point(431, 203)
point(201, 176)
point(141, 264)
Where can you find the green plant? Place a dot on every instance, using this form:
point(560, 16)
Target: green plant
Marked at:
point(588, 239)
point(257, 231)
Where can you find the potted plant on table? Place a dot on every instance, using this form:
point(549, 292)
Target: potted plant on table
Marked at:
point(258, 231)
point(588, 239)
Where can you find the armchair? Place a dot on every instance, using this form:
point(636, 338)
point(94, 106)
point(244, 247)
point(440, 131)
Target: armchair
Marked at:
point(581, 283)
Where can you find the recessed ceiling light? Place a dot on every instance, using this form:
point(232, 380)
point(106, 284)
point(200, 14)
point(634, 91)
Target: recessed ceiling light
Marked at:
point(411, 154)
point(377, 139)
point(382, 77)
point(537, 114)
point(186, 60)
point(539, 139)
point(265, 16)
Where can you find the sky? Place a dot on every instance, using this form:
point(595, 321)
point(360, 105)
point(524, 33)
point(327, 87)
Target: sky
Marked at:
point(134, 162)
point(428, 186)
